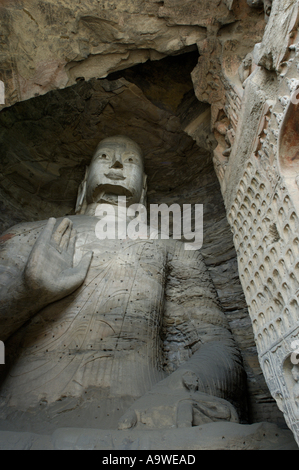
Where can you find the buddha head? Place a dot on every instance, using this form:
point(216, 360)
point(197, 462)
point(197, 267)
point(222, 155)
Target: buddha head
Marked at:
point(116, 169)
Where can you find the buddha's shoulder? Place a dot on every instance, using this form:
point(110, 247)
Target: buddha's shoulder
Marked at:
point(22, 233)
point(26, 233)
point(79, 222)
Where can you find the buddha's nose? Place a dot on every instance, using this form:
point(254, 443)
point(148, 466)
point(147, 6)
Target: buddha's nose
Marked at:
point(117, 162)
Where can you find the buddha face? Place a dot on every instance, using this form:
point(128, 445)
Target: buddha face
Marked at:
point(116, 169)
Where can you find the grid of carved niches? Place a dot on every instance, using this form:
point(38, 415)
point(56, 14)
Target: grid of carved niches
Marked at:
point(266, 236)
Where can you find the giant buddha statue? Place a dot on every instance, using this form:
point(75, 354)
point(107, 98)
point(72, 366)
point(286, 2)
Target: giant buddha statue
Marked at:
point(111, 334)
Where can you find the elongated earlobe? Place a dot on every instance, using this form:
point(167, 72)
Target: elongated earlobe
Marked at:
point(81, 198)
point(144, 191)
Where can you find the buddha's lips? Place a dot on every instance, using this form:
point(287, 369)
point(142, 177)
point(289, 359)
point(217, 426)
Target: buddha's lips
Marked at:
point(112, 188)
point(117, 176)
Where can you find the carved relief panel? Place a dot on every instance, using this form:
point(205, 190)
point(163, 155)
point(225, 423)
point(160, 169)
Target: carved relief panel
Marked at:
point(264, 216)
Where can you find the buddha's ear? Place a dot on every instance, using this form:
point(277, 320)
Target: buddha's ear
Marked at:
point(81, 198)
point(144, 191)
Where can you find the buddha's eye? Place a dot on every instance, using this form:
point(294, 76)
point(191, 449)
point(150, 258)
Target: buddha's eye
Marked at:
point(130, 158)
point(104, 156)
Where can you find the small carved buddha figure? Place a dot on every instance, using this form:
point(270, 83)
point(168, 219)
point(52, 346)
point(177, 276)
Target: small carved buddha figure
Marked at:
point(92, 327)
point(295, 374)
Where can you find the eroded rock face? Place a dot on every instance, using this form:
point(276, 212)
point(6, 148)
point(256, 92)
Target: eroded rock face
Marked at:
point(46, 45)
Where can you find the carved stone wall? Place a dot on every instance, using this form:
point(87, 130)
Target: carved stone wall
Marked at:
point(261, 196)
